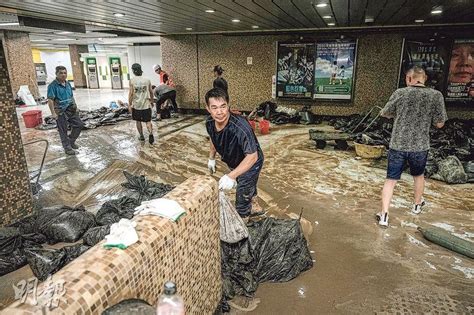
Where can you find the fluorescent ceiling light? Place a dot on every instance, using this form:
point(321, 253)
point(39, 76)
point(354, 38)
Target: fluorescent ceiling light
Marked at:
point(236, 20)
point(189, 28)
point(64, 39)
point(321, 5)
point(63, 33)
point(210, 11)
point(10, 24)
point(419, 21)
point(331, 24)
point(369, 19)
point(38, 40)
point(119, 14)
point(327, 17)
point(158, 22)
point(437, 11)
point(255, 26)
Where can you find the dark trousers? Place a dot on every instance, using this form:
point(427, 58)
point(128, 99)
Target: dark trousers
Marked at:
point(69, 117)
point(171, 95)
point(247, 189)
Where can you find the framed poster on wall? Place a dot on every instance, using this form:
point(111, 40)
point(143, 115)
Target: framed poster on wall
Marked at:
point(428, 55)
point(295, 67)
point(460, 86)
point(334, 70)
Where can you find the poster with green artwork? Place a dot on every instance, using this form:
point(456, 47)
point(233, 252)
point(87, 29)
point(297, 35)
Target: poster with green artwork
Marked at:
point(334, 70)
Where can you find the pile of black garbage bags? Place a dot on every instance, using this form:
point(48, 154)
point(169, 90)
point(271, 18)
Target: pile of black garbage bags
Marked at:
point(22, 242)
point(94, 118)
point(276, 250)
point(451, 157)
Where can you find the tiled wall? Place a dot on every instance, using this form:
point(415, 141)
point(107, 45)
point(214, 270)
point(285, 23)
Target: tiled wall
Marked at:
point(15, 195)
point(180, 60)
point(186, 252)
point(20, 61)
point(377, 68)
point(75, 52)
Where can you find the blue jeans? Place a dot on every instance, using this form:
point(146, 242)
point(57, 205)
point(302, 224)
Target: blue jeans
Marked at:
point(398, 159)
point(69, 116)
point(247, 189)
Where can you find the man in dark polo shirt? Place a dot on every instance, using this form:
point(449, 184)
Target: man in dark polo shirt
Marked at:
point(415, 109)
point(64, 109)
point(233, 138)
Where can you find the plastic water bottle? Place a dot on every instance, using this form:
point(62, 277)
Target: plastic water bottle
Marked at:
point(169, 302)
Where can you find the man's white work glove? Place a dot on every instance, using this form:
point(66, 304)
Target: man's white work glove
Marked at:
point(211, 165)
point(226, 183)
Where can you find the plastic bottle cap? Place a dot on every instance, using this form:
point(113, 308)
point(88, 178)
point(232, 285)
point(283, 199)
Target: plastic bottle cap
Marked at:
point(170, 288)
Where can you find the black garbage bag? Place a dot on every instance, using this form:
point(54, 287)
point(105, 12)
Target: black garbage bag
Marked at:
point(431, 167)
point(276, 250)
point(45, 215)
point(10, 240)
point(44, 262)
point(280, 249)
point(146, 189)
point(284, 118)
point(27, 224)
point(12, 261)
point(237, 269)
point(468, 166)
point(107, 218)
point(124, 207)
point(266, 109)
point(69, 226)
point(95, 235)
point(33, 240)
point(74, 251)
point(452, 171)
point(132, 307)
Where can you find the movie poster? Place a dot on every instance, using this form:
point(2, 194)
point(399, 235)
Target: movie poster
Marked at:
point(334, 70)
point(460, 86)
point(295, 67)
point(428, 55)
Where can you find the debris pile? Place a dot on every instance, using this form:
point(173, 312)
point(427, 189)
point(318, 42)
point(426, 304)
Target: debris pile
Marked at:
point(451, 157)
point(276, 250)
point(22, 242)
point(94, 118)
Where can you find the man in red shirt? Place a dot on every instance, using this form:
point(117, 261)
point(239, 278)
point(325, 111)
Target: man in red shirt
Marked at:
point(164, 77)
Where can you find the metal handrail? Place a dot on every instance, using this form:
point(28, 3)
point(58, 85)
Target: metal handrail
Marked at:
point(37, 176)
point(365, 117)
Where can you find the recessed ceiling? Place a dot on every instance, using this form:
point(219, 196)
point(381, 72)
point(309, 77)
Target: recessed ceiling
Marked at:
point(175, 16)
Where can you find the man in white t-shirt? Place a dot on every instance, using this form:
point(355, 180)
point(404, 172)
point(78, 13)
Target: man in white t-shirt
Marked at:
point(140, 100)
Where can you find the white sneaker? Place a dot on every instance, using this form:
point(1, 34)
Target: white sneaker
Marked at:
point(382, 218)
point(417, 209)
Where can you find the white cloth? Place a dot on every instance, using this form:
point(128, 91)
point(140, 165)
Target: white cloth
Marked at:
point(122, 233)
point(227, 183)
point(211, 165)
point(165, 208)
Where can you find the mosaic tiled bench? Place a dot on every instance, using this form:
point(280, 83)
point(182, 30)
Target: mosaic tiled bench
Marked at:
point(186, 252)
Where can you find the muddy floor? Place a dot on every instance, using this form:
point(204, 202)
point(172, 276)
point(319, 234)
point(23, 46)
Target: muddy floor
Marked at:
point(359, 267)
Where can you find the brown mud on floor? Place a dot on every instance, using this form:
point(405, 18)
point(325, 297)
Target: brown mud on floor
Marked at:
point(359, 268)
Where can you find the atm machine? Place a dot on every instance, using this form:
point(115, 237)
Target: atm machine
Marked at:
point(41, 75)
point(92, 75)
point(116, 73)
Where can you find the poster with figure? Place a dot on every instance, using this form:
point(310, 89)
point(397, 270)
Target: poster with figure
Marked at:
point(295, 67)
point(334, 70)
point(460, 88)
point(431, 56)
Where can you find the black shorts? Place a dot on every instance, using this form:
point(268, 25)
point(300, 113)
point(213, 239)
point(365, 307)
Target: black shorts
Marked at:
point(141, 114)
